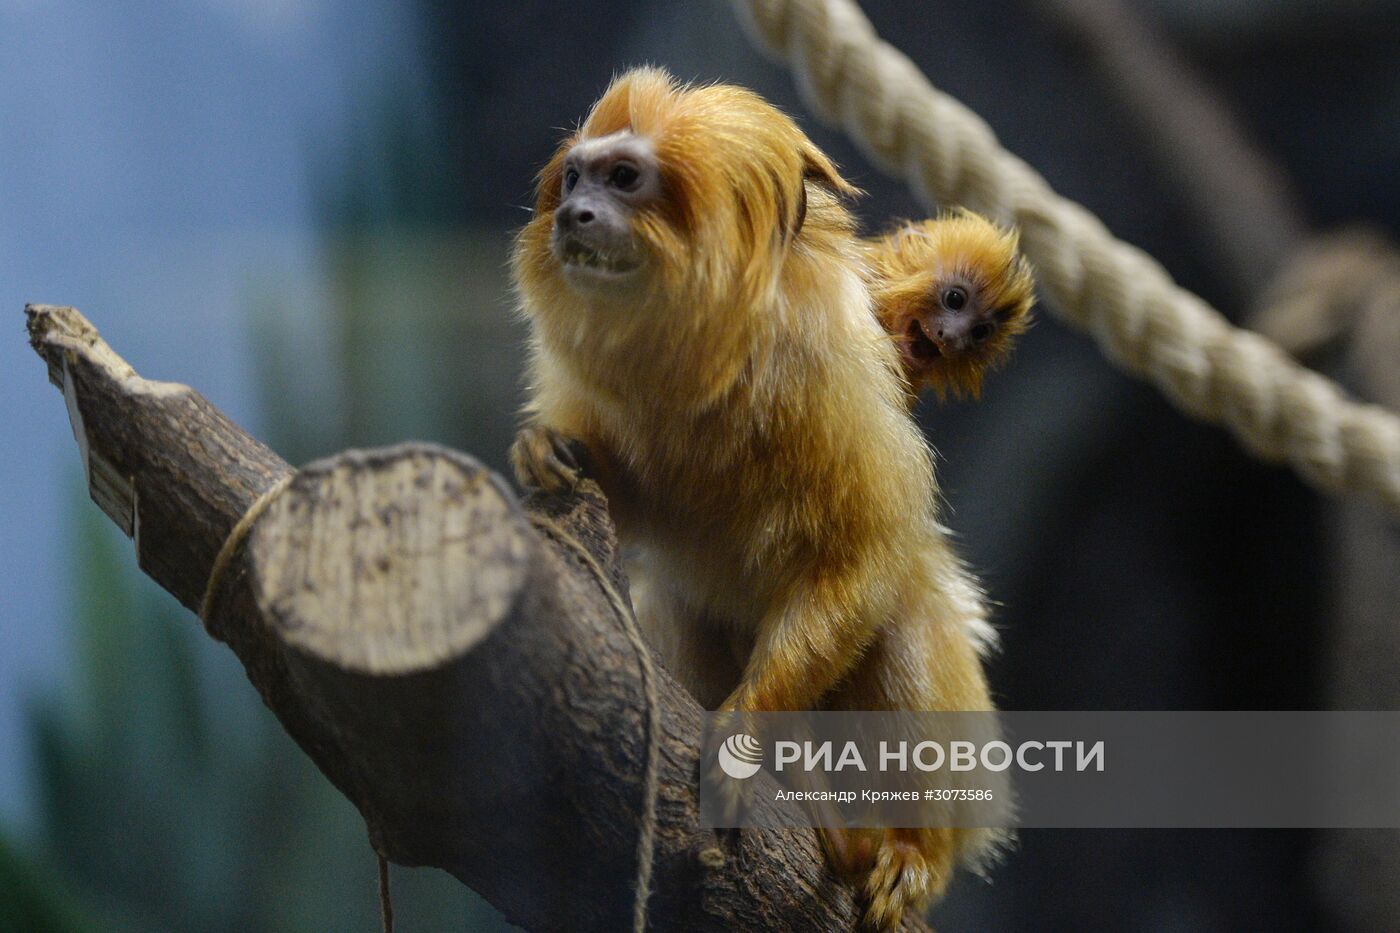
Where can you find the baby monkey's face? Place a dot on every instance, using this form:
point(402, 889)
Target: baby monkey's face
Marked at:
point(950, 326)
point(605, 185)
point(954, 319)
point(954, 293)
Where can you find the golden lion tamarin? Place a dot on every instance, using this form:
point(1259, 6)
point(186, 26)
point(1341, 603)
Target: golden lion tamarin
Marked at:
point(954, 293)
point(700, 323)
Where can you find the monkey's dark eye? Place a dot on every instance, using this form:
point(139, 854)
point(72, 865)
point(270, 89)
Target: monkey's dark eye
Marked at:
point(570, 179)
point(954, 299)
point(982, 331)
point(624, 176)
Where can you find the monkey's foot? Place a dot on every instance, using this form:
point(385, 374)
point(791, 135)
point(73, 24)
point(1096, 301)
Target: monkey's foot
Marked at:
point(912, 868)
point(545, 460)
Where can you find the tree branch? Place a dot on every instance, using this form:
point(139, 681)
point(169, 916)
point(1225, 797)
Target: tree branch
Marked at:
point(1241, 197)
point(460, 677)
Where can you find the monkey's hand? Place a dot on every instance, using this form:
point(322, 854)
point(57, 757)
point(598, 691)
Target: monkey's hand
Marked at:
point(546, 461)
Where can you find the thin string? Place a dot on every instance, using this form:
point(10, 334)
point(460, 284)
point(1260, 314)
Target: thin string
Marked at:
point(235, 538)
point(386, 903)
point(646, 839)
point(206, 605)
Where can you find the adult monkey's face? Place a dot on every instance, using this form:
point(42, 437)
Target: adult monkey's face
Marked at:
point(681, 200)
point(604, 185)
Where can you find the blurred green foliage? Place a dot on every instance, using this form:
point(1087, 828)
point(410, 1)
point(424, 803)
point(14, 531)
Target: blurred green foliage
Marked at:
point(32, 897)
point(171, 799)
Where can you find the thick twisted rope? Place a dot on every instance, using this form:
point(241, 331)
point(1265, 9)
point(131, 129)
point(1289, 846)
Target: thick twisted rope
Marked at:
point(1142, 320)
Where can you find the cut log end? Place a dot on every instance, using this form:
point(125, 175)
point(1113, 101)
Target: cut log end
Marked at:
point(389, 561)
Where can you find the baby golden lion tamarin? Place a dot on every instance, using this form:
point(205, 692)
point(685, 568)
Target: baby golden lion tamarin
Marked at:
point(699, 321)
point(954, 293)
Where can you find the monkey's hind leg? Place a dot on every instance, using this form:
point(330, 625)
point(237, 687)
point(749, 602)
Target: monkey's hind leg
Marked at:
point(926, 659)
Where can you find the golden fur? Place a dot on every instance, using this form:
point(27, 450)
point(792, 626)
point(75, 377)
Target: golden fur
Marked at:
point(907, 266)
point(749, 423)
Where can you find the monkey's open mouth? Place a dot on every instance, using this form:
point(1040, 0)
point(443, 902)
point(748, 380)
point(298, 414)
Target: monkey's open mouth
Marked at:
point(917, 344)
point(576, 254)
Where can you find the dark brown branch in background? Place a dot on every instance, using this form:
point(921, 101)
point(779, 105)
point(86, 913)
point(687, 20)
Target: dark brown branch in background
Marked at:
point(1303, 290)
point(1241, 198)
point(1338, 292)
point(461, 678)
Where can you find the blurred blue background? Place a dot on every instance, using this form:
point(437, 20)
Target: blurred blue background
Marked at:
point(303, 209)
point(156, 171)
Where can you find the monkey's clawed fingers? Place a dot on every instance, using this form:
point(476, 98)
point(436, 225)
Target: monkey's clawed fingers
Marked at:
point(912, 867)
point(547, 461)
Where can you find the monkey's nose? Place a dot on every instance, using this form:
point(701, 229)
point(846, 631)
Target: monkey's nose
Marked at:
point(952, 330)
point(572, 216)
